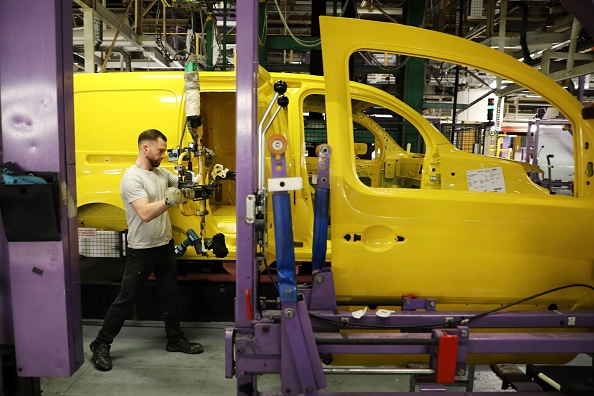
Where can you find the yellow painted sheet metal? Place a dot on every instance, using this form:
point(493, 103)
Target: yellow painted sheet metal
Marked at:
point(467, 249)
point(434, 238)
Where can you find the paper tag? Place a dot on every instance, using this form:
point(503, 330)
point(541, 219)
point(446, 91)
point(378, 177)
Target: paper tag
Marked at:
point(358, 314)
point(384, 313)
point(87, 232)
point(486, 180)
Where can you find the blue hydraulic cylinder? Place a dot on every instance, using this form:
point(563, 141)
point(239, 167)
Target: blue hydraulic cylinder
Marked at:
point(283, 223)
point(320, 231)
point(322, 200)
point(285, 253)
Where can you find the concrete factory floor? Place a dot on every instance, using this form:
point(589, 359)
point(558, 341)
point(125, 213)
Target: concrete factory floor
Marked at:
point(141, 366)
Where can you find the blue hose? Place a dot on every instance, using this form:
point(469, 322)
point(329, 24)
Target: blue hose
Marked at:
point(285, 253)
point(320, 231)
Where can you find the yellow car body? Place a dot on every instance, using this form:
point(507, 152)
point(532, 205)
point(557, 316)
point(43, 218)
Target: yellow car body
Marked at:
point(469, 250)
point(402, 223)
point(110, 109)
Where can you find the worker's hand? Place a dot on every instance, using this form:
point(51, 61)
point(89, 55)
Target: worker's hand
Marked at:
point(173, 196)
point(187, 195)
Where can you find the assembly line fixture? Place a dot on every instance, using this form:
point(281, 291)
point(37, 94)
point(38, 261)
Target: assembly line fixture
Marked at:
point(298, 336)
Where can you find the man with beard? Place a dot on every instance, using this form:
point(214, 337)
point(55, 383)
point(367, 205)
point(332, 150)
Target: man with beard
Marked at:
point(147, 192)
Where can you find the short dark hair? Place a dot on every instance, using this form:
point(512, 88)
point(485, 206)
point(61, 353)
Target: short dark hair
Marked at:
point(151, 135)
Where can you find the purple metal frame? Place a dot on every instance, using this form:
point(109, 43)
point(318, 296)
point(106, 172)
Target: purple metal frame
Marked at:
point(6, 332)
point(247, 110)
point(580, 9)
point(38, 134)
point(291, 340)
point(411, 304)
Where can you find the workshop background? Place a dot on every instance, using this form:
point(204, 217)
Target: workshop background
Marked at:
point(87, 259)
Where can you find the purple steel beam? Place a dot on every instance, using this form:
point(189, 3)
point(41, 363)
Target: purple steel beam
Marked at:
point(321, 295)
point(411, 304)
point(246, 121)
point(264, 351)
point(259, 353)
point(477, 343)
point(580, 9)
point(265, 344)
point(324, 320)
point(38, 135)
point(428, 393)
point(374, 343)
point(515, 343)
point(301, 368)
point(6, 333)
point(461, 359)
point(246, 71)
point(480, 343)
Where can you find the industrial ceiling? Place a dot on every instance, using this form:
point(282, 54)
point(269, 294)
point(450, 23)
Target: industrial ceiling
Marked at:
point(128, 35)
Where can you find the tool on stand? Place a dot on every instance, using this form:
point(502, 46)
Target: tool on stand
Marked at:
point(216, 243)
point(193, 166)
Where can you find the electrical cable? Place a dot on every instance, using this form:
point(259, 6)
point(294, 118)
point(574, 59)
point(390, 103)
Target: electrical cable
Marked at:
point(262, 34)
point(183, 132)
point(270, 274)
point(258, 276)
point(382, 67)
point(472, 74)
point(532, 297)
point(463, 321)
point(218, 37)
point(297, 40)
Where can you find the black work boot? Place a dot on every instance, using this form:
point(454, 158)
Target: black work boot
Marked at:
point(101, 355)
point(185, 346)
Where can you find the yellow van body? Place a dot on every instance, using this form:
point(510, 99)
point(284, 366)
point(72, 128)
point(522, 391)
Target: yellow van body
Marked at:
point(112, 109)
point(465, 248)
point(402, 223)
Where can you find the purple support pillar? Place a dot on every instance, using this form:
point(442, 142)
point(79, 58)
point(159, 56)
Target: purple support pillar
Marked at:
point(6, 333)
point(37, 134)
point(247, 113)
point(246, 69)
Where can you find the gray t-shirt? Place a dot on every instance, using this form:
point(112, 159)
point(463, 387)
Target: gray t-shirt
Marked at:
point(140, 183)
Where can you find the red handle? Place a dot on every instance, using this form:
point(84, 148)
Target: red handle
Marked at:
point(248, 304)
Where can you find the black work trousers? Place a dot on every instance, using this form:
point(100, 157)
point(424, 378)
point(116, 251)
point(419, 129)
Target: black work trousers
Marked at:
point(139, 265)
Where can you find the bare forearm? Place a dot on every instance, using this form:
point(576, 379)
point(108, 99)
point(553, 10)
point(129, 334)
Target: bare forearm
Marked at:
point(152, 210)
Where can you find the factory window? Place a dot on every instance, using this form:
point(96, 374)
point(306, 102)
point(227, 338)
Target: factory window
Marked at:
point(378, 135)
point(503, 119)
